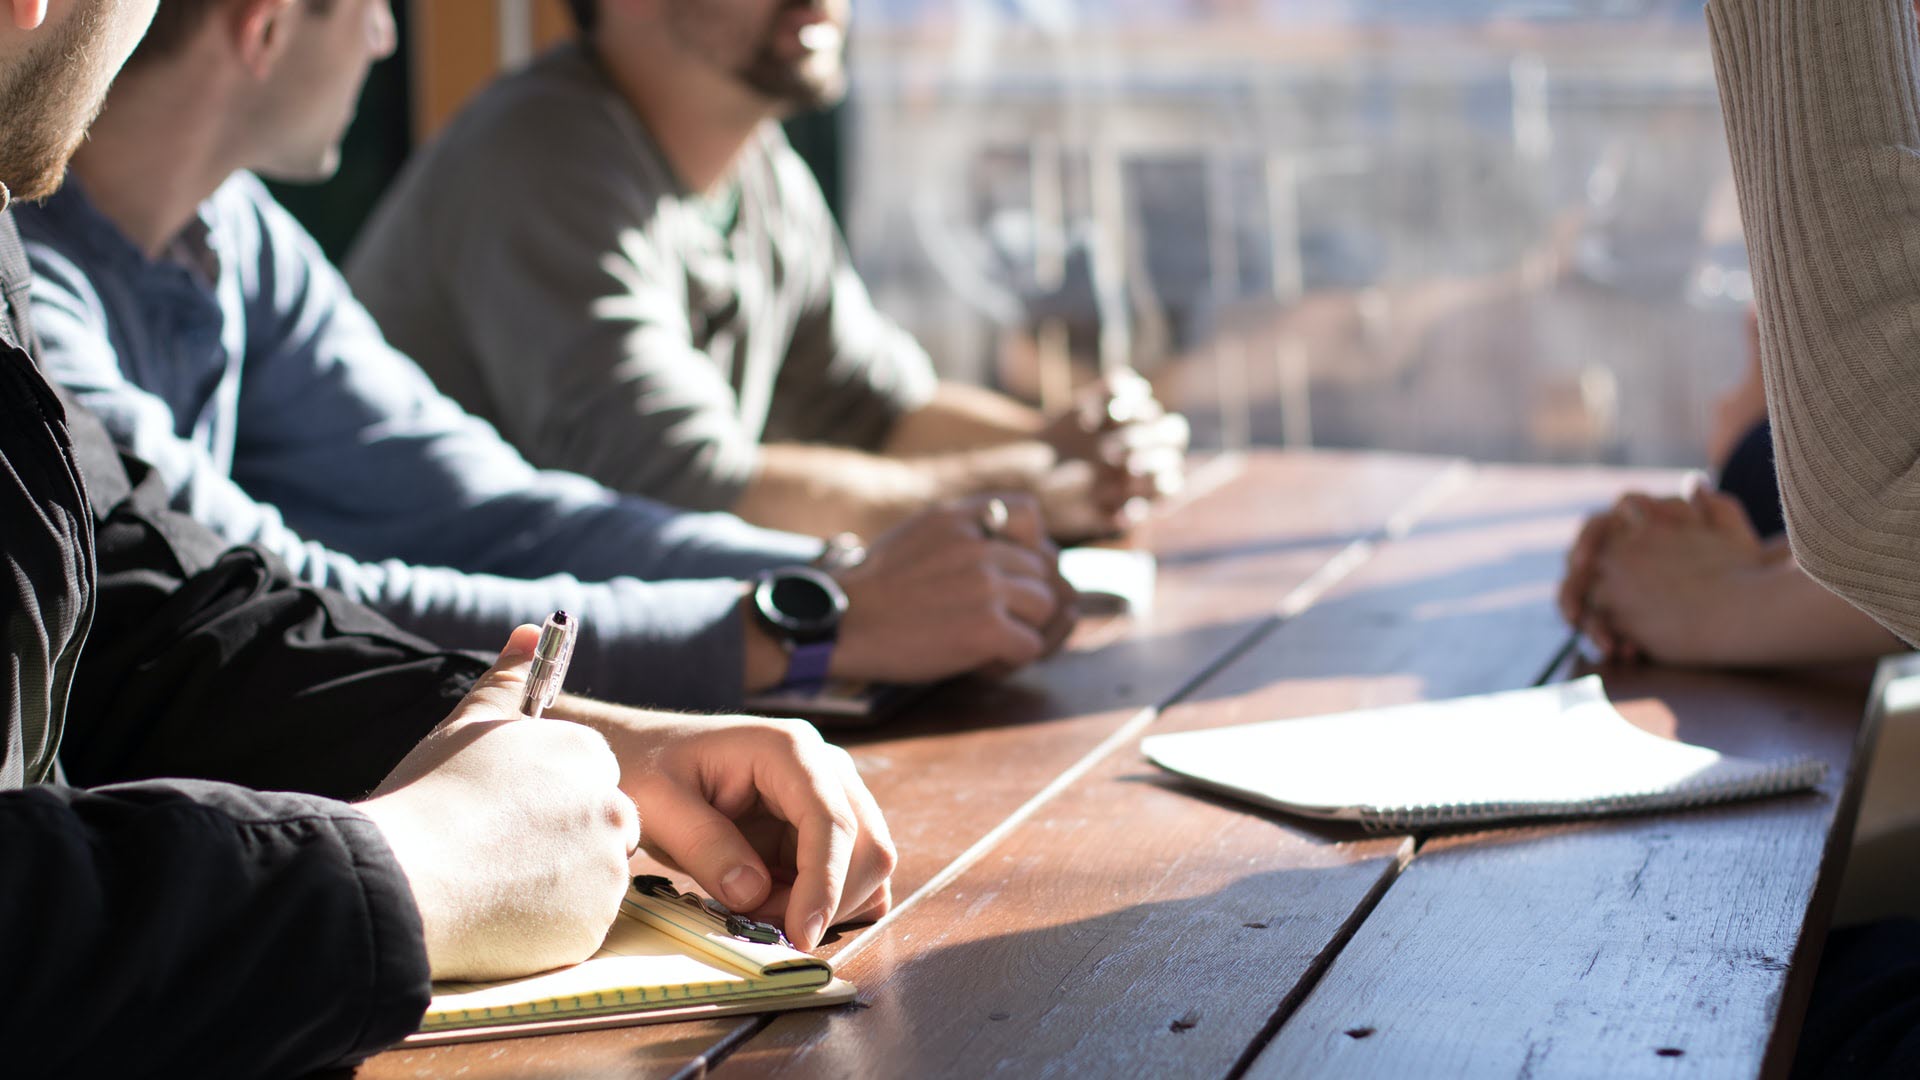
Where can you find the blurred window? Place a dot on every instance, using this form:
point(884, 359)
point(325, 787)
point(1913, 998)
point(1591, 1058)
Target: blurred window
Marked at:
point(1500, 228)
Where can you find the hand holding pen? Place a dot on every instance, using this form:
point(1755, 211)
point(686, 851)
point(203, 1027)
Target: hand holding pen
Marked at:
point(515, 837)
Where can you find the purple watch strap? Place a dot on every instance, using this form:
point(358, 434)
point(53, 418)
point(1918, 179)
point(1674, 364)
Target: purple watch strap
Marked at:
point(807, 669)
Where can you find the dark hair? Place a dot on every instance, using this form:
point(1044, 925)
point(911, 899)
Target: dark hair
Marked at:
point(586, 14)
point(174, 21)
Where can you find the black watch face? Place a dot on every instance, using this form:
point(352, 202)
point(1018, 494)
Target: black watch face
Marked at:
point(806, 604)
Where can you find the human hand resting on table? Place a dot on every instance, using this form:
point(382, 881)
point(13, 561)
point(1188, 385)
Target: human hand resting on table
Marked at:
point(513, 833)
point(960, 589)
point(1117, 450)
point(1669, 579)
point(764, 815)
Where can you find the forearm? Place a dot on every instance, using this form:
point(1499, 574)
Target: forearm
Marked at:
point(1821, 118)
point(1788, 619)
point(666, 644)
point(822, 490)
point(962, 417)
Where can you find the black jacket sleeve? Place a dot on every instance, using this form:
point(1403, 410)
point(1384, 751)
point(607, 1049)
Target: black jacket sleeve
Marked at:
point(186, 928)
point(196, 929)
point(211, 662)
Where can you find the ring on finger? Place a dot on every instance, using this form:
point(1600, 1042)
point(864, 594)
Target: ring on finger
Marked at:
point(994, 519)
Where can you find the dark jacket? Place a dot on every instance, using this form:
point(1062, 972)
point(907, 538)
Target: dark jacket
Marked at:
point(188, 926)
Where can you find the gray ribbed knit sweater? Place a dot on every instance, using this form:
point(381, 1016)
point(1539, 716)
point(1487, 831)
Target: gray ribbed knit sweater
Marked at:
point(1823, 118)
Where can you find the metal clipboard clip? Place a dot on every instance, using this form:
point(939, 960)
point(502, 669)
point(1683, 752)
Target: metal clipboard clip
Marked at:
point(739, 926)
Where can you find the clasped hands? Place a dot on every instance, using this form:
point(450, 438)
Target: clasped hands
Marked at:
point(1116, 449)
point(1665, 578)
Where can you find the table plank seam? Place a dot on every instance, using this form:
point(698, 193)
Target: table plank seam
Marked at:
point(705, 1061)
point(1783, 1035)
point(1409, 849)
point(1343, 564)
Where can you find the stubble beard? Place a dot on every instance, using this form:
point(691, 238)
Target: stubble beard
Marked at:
point(791, 86)
point(48, 101)
point(812, 82)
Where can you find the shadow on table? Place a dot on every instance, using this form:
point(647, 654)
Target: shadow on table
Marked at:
point(1490, 624)
point(1198, 555)
point(1133, 672)
point(1485, 626)
point(1311, 830)
point(649, 1058)
point(1175, 987)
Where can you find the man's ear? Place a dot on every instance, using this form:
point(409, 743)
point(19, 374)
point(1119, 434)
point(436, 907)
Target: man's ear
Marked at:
point(29, 14)
point(258, 31)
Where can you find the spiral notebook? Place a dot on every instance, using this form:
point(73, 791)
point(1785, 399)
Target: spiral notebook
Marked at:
point(668, 956)
point(1558, 751)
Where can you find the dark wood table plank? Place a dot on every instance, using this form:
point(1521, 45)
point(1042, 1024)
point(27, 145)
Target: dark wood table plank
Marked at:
point(970, 755)
point(1131, 928)
point(1656, 946)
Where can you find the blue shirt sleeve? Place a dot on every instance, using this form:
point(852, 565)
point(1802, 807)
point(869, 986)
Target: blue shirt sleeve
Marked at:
point(353, 443)
point(389, 467)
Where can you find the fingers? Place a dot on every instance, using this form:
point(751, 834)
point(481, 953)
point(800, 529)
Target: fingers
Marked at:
point(1581, 558)
point(1141, 461)
point(1120, 486)
point(827, 833)
point(1726, 514)
point(870, 873)
point(1011, 641)
point(1631, 511)
point(1025, 525)
point(1031, 602)
point(874, 906)
point(689, 833)
point(496, 694)
point(1160, 434)
point(1066, 616)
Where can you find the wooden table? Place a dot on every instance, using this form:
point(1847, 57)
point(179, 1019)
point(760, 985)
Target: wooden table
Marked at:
point(1064, 910)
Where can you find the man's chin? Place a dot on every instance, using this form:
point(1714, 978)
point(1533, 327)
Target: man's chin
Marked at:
point(798, 88)
point(801, 98)
point(306, 170)
point(38, 174)
point(36, 187)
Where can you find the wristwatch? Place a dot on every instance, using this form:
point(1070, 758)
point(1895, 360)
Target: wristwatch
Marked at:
point(802, 608)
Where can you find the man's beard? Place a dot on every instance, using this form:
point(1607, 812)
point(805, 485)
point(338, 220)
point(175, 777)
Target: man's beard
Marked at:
point(810, 81)
point(48, 99)
point(800, 85)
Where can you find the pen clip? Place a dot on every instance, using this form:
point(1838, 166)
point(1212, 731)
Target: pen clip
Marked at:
point(739, 926)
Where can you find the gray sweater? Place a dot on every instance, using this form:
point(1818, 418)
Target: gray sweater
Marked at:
point(1823, 119)
point(543, 264)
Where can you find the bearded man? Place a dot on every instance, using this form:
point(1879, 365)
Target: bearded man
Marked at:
point(616, 258)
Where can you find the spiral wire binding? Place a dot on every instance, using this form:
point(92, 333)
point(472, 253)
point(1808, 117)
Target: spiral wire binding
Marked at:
point(1792, 774)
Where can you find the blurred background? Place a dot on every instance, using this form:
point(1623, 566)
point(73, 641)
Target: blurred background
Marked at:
point(1496, 228)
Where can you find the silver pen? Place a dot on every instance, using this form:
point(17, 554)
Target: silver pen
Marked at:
point(550, 659)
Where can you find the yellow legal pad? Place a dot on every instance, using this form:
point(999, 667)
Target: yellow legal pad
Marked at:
point(661, 961)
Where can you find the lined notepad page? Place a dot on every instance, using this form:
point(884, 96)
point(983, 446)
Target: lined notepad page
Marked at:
point(1560, 750)
point(641, 965)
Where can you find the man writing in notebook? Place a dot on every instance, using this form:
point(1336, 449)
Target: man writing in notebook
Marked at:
point(200, 321)
point(246, 922)
point(616, 258)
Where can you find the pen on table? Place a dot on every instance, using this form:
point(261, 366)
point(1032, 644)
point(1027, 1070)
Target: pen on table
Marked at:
point(549, 669)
